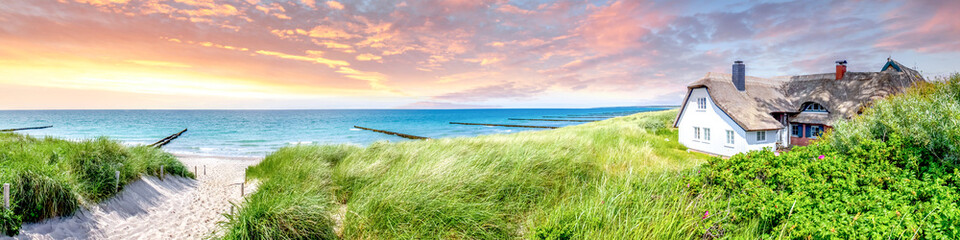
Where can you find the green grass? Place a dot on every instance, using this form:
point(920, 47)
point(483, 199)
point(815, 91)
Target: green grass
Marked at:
point(619, 178)
point(50, 177)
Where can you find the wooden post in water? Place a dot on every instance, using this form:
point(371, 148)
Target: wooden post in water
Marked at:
point(6, 196)
point(26, 128)
point(407, 136)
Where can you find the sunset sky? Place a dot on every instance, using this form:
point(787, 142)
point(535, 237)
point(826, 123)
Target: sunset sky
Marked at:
point(316, 54)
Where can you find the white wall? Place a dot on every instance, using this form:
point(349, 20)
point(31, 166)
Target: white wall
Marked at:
point(718, 122)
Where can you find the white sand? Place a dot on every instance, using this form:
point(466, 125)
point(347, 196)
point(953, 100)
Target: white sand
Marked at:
point(176, 208)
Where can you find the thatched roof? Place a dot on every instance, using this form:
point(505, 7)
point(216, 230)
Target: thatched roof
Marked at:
point(752, 109)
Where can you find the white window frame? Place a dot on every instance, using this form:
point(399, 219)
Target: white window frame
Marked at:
point(706, 134)
point(798, 133)
point(816, 131)
point(762, 136)
point(730, 137)
point(702, 103)
point(696, 133)
point(814, 107)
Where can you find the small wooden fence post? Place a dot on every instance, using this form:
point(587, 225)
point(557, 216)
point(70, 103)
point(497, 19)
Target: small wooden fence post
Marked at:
point(116, 185)
point(6, 196)
point(161, 172)
point(242, 191)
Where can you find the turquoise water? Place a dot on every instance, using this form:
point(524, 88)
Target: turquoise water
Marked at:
point(258, 132)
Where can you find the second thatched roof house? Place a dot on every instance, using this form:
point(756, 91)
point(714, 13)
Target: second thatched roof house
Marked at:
point(725, 114)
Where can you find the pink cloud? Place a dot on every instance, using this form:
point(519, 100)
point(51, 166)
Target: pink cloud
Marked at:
point(936, 32)
point(621, 25)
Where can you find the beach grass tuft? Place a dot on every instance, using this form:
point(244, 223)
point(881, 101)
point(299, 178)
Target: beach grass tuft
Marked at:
point(51, 177)
point(615, 178)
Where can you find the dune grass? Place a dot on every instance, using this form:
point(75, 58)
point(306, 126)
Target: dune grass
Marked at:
point(51, 177)
point(618, 178)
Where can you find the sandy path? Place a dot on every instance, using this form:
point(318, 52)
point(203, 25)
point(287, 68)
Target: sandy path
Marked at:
point(176, 208)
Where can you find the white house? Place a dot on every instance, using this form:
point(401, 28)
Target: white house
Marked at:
point(725, 114)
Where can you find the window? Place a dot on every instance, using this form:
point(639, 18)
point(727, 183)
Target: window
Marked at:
point(814, 107)
point(706, 134)
point(761, 136)
point(815, 131)
point(696, 132)
point(702, 103)
point(730, 137)
point(797, 130)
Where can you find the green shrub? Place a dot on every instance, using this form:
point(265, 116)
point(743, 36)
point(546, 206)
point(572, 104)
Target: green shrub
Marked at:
point(890, 173)
point(9, 222)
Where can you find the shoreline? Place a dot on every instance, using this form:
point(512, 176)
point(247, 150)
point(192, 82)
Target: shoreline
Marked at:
point(181, 155)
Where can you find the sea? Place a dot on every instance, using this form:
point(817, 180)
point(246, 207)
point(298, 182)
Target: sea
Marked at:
point(256, 133)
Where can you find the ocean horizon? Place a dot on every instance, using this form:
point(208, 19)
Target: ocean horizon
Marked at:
point(256, 133)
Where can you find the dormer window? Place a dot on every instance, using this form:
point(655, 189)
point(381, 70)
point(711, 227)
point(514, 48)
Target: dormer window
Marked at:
point(814, 107)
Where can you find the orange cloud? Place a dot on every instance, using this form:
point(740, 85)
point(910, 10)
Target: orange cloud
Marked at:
point(159, 63)
point(310, 3)
point(375, 79)
point(368, 57)
point(335, 5)
point(507, 8)
point(335, 45)
point(102, 2)
point(327, 32)
point(313, 59)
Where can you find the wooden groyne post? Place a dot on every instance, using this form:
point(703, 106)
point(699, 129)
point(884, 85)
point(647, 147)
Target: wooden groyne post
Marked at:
point(168, 139)
point(503, 125)
point(26, 128)
point(407, 136)
point(554, 120)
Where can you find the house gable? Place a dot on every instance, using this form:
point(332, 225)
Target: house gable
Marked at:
point(692, 118)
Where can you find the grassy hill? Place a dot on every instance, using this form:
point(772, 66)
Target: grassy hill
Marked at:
point(619, 178)
point(890, 173)
point(51, 177)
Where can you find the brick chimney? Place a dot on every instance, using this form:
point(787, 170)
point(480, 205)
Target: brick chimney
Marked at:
point(841, 69)
point(739, 76)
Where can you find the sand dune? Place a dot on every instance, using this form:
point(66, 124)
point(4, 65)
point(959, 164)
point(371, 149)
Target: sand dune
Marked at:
point(175, 208)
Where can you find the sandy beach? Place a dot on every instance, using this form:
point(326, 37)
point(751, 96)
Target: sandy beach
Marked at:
point(172, 208)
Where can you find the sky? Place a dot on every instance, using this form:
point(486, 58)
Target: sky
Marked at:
point(317, 54)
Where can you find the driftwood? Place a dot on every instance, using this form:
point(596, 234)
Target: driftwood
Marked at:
point(503, 125)
point(28, 128)
point(555, 120)
point(408, 136)
point(167, 140)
